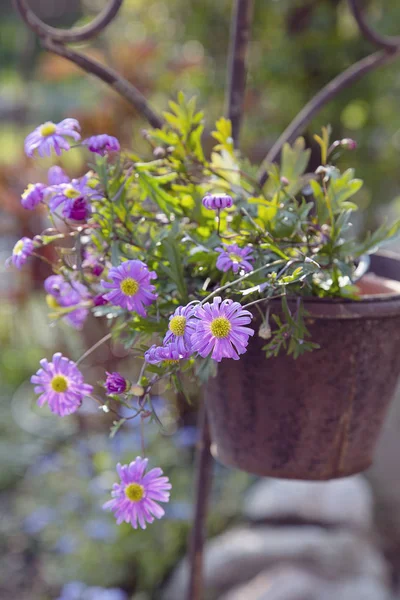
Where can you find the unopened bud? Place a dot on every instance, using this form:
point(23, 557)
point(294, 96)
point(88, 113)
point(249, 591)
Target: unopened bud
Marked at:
point(265, 330)
point(348, 143)
point(137, 390)
point(285, 181)
point(159, 152)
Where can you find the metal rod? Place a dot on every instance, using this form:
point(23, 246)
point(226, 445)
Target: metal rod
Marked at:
point(237, 67)
point(76, 34)
point(110, 77)
point(203, 470)
point(342, 81)
point(54, 40)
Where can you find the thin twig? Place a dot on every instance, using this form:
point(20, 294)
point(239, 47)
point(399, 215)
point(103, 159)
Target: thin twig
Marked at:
point(342, 81)
point(240, 279)
point(76, 34)
point(94, 347)
point(239, 39)
point(203, 470)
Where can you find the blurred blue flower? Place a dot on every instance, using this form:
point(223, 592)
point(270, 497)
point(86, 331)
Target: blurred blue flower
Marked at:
point(97, 593)
point(51, 463)
point(71, 502)
point(76, 590)
point(73, 591)
point(66, 544)
point(100, 529)
point(39, 519)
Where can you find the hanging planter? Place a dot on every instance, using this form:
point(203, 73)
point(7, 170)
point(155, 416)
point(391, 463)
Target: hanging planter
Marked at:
point(317, 417)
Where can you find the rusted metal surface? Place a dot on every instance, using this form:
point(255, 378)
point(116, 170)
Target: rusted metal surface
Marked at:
point(317, 417)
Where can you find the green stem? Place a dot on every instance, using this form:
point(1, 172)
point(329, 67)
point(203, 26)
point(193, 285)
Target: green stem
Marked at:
point(232, 283)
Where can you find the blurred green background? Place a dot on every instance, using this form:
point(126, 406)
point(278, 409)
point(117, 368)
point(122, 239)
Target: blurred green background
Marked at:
point(54, 475)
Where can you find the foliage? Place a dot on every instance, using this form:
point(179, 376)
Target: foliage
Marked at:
point(297, 228)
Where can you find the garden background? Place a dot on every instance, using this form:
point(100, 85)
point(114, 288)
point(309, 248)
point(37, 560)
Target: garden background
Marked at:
point(55, 474)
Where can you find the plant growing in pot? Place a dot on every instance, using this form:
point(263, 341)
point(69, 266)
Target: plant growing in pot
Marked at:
point(195, 267)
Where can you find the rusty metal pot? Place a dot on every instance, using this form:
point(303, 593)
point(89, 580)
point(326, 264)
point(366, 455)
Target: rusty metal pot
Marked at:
point(317, 417)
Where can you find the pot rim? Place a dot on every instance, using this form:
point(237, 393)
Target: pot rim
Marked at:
point(371, 306)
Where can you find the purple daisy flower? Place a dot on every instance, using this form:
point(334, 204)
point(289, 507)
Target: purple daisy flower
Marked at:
point(51, 135)
point(130, 286)
point(57, 175)
point(77, 210)
point(92, 262)
point(169, 354)
point(64, 294)
point(99, 300)
point(22, 251)
point(182, 325)
point(33, 195)
point(135, 498)
point(115, 383)
point(60, 383)
point(64, 193)
point(102, 144)
point(235, 258)
point(221, 329)
point(217, 201)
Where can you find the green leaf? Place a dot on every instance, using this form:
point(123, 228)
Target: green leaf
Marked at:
point(165, 201)
point(175, 269)
point(223, 135)
point(205, 368)
point(373, 241)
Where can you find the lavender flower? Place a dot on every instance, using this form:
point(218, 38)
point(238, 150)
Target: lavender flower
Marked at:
point(51, 136)
point(99, 300)
point(92, 262)
point(77, 210)
point(66, 294)
point(115, 383)
point(33, 195)
point(217, 201)
point(130, 287)
point(102, 144)
point(169, 354)
point(221, 330)
point(22, 251)
point(134, 498)
point(60, 384)
point(235, 258)
point(181, 327)
point(57, 175)
point(76, 590)
point(64, 193)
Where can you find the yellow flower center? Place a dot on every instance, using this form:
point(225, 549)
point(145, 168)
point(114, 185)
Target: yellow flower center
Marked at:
point(134, 492)
point(235, 257)
point(19, 246)
point(220, 327)
point(177, 325)
point(28, 190)
point(71, 192)
point(59, 384)
point(47, 129)
point(129, 286)
point(51, 302)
